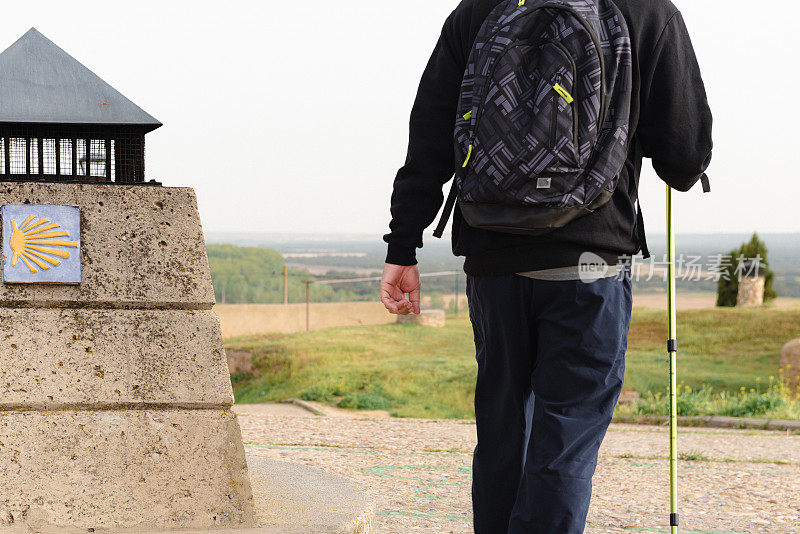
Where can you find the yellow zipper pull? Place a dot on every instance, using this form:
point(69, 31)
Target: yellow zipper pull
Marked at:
point(563, 92)
point(521, 3)
point(469, 154)
point(468, 115)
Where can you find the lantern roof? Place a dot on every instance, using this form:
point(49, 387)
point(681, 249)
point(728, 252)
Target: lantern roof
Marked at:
point(41, 83)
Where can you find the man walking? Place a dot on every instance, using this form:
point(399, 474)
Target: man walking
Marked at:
point(560, 102)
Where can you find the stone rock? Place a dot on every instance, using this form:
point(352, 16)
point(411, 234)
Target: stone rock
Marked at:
point(751, 291)
point(434, 318)
point(790, 365)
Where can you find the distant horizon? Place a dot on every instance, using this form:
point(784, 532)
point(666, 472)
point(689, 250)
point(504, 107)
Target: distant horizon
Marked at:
point(783, 246)
point(360, 253)
point(214, 234)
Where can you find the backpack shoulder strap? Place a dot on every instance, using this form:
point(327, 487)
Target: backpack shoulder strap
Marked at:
point(640, 231)
point(706, 184)
point(448, 208)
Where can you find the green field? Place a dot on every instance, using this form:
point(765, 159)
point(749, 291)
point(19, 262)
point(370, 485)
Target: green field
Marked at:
point(728, 365)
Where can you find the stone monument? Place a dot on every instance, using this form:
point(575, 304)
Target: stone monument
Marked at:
point(115, 398)
point(751, 285)
point(433, 317)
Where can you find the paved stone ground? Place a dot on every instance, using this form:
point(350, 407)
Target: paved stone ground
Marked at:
point(418, 471)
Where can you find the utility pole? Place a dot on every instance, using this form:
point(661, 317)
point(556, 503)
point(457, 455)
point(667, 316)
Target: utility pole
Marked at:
point(456, 294)
point(285, 284)
point(308, 305)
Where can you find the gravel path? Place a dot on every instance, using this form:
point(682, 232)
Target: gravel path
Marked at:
point(418, 471)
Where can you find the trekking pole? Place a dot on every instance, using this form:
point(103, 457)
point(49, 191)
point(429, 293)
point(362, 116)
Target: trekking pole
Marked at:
point(672, 351)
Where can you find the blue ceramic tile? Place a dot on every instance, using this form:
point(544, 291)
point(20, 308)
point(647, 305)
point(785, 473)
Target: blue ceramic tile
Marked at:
point(41, 244)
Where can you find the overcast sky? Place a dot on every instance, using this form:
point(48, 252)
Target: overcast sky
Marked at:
point(292, 116)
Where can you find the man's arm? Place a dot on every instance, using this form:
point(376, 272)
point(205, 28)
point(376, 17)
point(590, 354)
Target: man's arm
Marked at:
point(675, 125)
point(430, 159)
point(396, 282)
point(430, 162)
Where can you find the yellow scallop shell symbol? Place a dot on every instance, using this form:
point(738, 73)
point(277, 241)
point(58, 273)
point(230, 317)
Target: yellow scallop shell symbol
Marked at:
point(33, 240)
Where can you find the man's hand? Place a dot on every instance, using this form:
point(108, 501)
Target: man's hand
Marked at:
point(396, 282)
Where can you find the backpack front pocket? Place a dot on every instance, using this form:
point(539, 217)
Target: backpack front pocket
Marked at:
point(563, 123)
point(559, 87)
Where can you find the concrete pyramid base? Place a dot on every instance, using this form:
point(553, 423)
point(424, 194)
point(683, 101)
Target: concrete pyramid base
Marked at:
point(122, 470)
point(115, 396)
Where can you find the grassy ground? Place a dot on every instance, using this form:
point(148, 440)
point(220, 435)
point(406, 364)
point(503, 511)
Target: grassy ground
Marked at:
point(728, 365)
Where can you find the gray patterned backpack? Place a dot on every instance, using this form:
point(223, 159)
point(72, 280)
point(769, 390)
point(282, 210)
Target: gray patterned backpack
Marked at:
point(542, 125)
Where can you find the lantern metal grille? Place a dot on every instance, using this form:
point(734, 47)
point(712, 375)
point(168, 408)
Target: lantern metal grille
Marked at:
point(60, 122)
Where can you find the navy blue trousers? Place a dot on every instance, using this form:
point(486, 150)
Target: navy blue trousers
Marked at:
point(551, 359)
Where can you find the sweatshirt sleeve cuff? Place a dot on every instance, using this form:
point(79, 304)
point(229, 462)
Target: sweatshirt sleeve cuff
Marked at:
point(400, 255)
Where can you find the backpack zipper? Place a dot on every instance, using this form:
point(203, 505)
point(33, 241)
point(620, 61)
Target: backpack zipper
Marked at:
point(572, 102)
point(554, 115)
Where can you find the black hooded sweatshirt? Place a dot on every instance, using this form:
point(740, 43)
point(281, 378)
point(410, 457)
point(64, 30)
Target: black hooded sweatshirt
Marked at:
point(670, 123)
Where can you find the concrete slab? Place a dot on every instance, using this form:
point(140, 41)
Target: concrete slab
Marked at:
point(54, 358)
point(293, 498)
point(141, 247)
point(296, 499)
